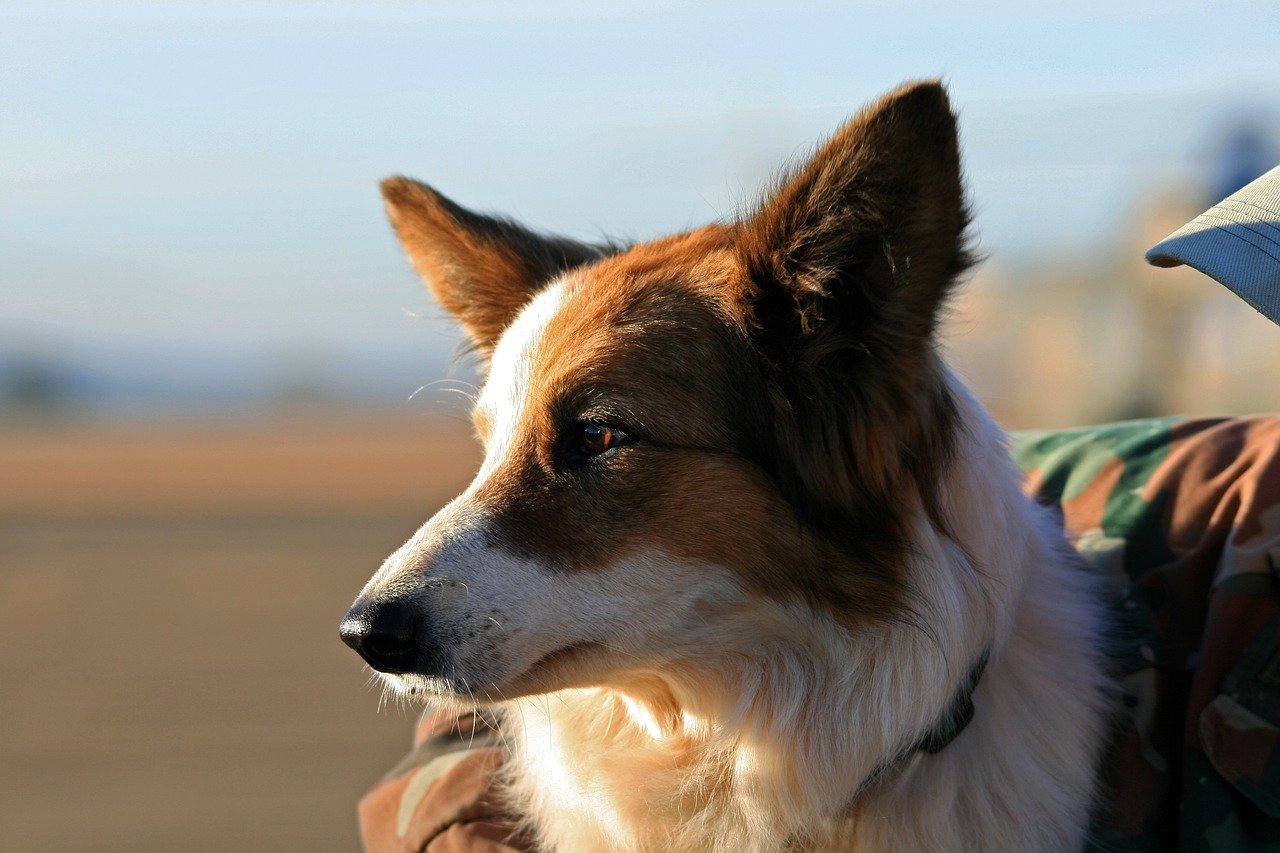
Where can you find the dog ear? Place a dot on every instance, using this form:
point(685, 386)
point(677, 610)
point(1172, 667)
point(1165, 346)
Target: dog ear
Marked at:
point(482, 269)
point(862, 242)
point(848, 264)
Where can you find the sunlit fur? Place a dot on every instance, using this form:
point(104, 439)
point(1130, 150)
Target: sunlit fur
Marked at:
point(729, 634)
point(737, 752)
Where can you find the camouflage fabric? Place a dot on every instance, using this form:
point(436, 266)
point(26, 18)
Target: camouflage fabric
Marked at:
point(1180, 520)
point(439, 797)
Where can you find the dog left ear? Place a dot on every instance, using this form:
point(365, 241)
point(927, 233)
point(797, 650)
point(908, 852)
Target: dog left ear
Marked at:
point(482, 269)
point(848, 264)
point(862, 243)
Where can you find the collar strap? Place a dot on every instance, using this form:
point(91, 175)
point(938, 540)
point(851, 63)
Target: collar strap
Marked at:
point(958, 714)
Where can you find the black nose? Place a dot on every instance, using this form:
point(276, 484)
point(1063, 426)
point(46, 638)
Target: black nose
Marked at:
point(382, 632)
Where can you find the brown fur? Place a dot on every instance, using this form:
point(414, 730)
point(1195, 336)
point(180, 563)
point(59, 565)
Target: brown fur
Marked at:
point(853, 258)
point(808, 327)
point(482, 269)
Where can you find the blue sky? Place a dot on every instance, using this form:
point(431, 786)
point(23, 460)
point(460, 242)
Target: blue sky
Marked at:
point(203, 175)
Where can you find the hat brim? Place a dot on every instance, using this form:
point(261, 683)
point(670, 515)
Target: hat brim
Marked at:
point(1236, 242)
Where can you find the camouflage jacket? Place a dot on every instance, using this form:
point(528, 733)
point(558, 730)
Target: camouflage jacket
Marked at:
point(1180, 519)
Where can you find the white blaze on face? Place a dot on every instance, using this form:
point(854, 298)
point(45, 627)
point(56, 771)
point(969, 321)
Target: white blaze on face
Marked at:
point(505, 396)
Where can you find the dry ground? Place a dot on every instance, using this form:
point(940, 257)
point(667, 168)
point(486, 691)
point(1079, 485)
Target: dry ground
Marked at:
point(169, 600)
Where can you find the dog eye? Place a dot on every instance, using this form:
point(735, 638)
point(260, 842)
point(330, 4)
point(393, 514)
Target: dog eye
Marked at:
point(594, 439)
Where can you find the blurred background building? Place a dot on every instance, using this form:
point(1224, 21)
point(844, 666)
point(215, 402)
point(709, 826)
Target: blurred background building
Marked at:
point(1091, 333)
point(224, 396)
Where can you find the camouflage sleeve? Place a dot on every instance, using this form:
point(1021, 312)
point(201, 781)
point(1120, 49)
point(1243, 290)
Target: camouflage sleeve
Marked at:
point(441, 798)
point(1180, 520)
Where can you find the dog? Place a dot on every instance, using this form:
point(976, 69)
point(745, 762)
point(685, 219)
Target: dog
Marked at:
point(745, 566)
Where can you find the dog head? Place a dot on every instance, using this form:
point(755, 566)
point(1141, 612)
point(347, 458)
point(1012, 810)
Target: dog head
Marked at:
point(684, 435)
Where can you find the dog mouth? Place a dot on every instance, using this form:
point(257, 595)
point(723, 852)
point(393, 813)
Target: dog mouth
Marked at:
point(555, 662)
point(560, 668)
point(564, 667)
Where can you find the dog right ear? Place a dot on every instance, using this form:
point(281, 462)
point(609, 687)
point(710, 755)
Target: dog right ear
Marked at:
point(482, 269)
point(860, 245)
point(849, 262)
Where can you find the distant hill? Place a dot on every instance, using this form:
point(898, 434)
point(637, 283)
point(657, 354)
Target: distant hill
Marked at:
point(81, 375)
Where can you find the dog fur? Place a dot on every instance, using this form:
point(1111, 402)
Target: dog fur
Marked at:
point(726, 630)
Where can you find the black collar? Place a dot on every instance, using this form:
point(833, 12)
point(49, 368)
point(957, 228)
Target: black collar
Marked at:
point(949, 727)
point(958, 714)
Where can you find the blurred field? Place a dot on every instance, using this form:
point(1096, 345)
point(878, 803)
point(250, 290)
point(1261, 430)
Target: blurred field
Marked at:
point(169, 601)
